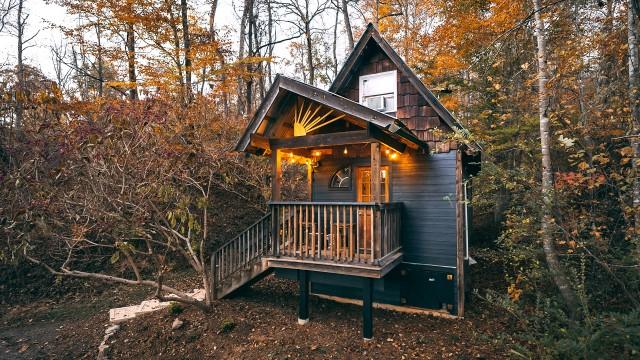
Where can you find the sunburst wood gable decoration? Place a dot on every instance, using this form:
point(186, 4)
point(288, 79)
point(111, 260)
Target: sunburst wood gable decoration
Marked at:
point(308, 120)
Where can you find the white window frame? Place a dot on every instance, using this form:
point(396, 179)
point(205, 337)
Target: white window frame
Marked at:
point(377, 75)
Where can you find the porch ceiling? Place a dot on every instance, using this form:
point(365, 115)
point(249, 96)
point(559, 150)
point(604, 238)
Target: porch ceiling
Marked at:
point(271, 125)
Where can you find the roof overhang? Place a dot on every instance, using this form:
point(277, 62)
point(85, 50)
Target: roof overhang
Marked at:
point(379, 126)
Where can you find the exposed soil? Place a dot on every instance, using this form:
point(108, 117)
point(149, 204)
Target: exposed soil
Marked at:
point(71, 325)
point(69, 328)
point(258, 323)
point(261, 323)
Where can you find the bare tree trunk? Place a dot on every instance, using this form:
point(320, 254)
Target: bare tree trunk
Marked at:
point(79, 74)
point(270, 39)
point(131, 61)
point(176, 48)
point(557, 272)
point(250, 69)
point(634, 100)
point(258, 45)
point(347, 23)
point(307, 35)
point(248, 4)
point(187, 50)
point(20, 90)
point(100, 60)
point(335, 43)
point(212, 38)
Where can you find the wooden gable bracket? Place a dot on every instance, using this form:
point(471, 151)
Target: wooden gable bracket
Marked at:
point(377, 133)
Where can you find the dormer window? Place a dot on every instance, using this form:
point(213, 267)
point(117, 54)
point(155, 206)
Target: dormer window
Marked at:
point(379, 91)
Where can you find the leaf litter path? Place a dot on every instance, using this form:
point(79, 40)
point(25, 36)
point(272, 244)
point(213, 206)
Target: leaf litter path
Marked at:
point(261, 323)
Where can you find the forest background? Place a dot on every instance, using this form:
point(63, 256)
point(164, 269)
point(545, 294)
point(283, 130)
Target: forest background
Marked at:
point(115, 161)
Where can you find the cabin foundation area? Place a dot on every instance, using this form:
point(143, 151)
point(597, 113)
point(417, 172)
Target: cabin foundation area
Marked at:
point(385, 214)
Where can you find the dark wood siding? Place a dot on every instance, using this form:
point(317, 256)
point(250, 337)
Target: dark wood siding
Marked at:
point(426, 187)
point(412, 108)
point(425, 184)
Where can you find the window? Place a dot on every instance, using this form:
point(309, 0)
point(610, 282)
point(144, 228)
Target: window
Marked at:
point(379, 91)
point(341, 179)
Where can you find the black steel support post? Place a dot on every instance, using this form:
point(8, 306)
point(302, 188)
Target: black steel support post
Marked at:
point(303, 306)
point(367, 308)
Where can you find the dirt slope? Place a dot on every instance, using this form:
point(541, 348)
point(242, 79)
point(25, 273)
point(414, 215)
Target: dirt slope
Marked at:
point(261, 323)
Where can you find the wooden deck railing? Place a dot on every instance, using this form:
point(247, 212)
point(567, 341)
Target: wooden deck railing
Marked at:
point(243, 250)
point(337, 231)
point(316, 231)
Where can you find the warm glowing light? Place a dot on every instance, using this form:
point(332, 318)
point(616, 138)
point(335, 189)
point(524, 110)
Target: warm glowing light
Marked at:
point(394, 156)
point(387, 151)
point(291, 155)
point(345, 151)
point(317, 153)
point(384, 174)
point(308, 120)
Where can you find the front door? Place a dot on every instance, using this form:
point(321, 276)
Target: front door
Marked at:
point(365, 217)
point(364, 184)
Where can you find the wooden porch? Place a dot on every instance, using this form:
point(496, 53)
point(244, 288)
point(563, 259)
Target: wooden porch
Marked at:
point(360, 239)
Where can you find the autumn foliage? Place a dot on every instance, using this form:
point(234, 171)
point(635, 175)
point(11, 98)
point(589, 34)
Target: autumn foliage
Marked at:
point(97, 180)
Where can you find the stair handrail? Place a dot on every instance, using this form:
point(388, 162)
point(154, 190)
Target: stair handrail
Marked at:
point(235, 269)
point(267, 215)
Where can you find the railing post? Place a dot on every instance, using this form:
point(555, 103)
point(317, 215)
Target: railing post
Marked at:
point(213, 275)
point(378, 233)
point(275, 236)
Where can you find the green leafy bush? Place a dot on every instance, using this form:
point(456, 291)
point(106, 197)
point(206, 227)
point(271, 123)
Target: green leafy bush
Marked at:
point(175, 308)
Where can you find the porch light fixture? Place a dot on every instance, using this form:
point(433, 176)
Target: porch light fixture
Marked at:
point(345, 151)
point(394, 156)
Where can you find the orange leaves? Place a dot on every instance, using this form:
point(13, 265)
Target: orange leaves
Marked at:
point(576, 179)
point(514, 292)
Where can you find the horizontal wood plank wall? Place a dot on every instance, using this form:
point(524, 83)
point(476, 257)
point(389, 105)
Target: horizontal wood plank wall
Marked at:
point(426, 186)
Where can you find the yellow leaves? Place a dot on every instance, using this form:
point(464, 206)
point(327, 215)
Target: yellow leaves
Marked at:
point(601, 158)
point(583, 166)
point(626, 151)
point(514, 292)
point(627, 154)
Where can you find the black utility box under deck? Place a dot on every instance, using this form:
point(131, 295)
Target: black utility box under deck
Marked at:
point(426, 287)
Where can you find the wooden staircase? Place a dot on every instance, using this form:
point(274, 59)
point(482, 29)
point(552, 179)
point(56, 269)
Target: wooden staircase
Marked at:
point(241, 261)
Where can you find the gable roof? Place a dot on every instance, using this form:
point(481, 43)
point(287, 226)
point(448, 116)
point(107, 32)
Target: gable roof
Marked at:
point(347, 71)
point(282, 86)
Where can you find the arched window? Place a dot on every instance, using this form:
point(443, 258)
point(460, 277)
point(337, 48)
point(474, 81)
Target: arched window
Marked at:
point(341, 179)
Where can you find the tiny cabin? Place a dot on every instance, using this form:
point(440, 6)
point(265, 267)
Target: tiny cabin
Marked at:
point(388, 178)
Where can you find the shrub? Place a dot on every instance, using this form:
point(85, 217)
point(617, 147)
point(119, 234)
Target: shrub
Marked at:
point(175, 308)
